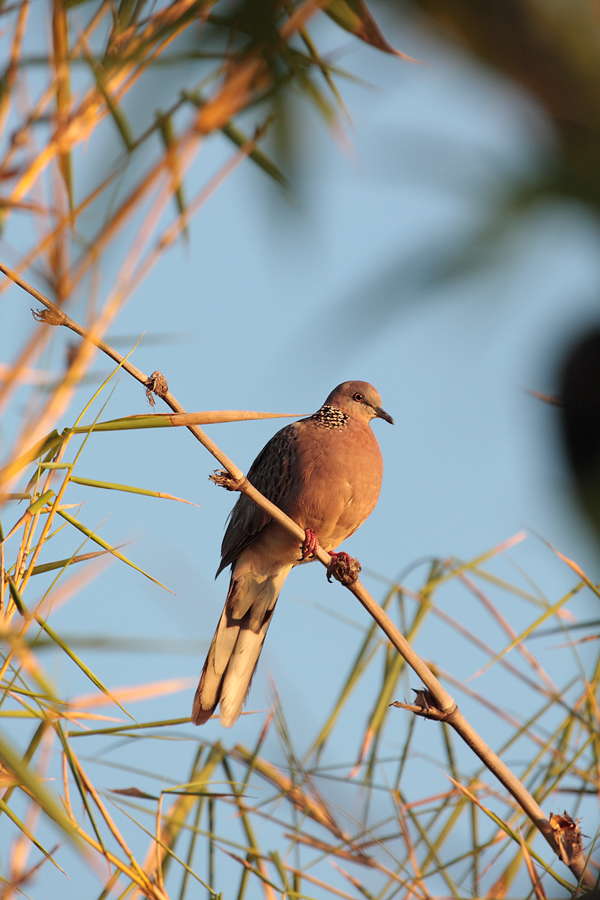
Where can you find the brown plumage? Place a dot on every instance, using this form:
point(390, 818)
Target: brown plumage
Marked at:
point(325, 472)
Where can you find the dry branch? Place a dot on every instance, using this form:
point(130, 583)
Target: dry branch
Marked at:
point(435, 701)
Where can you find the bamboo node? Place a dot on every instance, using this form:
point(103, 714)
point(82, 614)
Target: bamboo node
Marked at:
point(156, 384)
point(568, 836)
point(51, 316)
point(225, 480)
point(425, 706)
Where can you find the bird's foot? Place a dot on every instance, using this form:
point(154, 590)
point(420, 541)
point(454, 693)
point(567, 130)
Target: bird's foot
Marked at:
point(344, 568)
point(309, 545)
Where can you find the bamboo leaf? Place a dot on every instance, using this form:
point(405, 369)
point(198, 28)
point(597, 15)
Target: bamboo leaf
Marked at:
point(551, 611)
point(510, 832)
point(40, 502)
point(308, 805)
point(62, 563)
point(12, 759)
point(175, 818)
point(126, 8)
point(165, 124)
point(47, 444)
point(60, 36)
point(134, 792)
point(4, 807)
point(80, 786)
point(354, 16)
point(140, 726)
point(127, 488)
point(237, 136)
point(168, 853)
point(167, 420)
point(102, 543)
point(63, 645)
point(112, 104)
point(536, 880)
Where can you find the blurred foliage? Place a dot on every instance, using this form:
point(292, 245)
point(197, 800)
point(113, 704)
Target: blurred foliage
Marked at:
point(580, 420)
point(225, 60)
point(91, 226)
point(101, 166)
point(552, 50)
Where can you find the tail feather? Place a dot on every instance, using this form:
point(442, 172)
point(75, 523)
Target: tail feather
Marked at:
point(236, 646)
point(215, 665)
point(238, 678)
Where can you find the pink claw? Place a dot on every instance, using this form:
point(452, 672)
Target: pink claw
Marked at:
point(309, 545)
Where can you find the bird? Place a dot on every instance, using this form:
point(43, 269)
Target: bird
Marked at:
point(325, 472)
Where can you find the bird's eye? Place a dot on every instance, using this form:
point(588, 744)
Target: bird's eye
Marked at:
point(358, 397)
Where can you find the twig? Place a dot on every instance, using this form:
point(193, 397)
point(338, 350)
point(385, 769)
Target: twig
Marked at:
point(433, 702)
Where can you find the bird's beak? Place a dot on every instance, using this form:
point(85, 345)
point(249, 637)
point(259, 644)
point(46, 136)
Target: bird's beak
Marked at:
point(381, 414)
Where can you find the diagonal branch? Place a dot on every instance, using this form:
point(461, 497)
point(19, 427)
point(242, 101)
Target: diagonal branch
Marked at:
point(435, 701)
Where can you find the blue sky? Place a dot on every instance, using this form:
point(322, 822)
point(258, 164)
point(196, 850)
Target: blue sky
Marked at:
point(274, 303)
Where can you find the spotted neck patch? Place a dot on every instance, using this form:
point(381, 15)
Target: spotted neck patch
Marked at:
point(330, 417)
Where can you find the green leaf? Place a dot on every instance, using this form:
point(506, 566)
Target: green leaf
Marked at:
point(78, 781)
point(127, 488)
point(40, 502)
point(62, 563)
point(168, 420)
point(62, 644)
point(22, 827)
point(240, 139)
point(126, 8)
point(511, 833)
point(102, 543)
point(353, 16)
point(112, 104)
point(140, 726)
point(165, 125)
point(12, 758)
point(49, 443)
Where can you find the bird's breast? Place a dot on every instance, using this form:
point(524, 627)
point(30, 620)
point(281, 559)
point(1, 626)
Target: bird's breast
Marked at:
point(339, 479)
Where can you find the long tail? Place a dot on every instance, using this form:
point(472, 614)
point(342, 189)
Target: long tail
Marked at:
point(236, 646)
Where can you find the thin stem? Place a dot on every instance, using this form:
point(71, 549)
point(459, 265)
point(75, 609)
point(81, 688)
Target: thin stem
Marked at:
point(444, 705)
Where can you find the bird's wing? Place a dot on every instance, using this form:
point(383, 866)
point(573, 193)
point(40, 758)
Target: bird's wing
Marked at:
point(271, 473)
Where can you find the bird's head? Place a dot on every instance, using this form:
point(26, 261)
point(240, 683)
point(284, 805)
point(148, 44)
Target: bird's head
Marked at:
point(358, 399)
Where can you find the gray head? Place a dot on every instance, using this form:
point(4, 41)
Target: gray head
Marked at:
point(358, 399)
